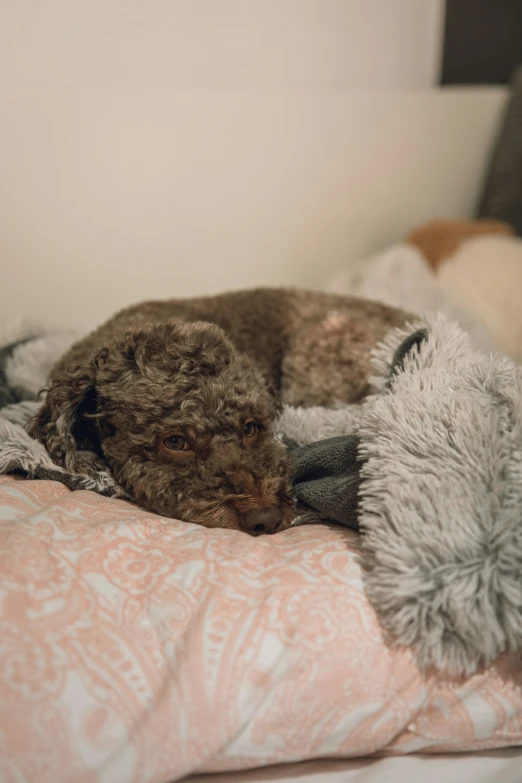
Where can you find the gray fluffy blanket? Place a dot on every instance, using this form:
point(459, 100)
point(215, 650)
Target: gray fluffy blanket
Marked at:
point(429, 467)
point(27, 354)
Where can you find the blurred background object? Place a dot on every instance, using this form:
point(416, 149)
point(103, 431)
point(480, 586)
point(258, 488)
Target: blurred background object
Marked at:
point(482, 42)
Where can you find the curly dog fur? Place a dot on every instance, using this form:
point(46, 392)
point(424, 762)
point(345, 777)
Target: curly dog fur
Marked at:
point(178, 397)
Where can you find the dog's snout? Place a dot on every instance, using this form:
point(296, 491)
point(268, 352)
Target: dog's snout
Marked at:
point(260, 521)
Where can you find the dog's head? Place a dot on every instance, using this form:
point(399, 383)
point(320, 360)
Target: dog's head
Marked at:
point(182, 420)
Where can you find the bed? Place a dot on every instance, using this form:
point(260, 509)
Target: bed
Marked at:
point(139, 648)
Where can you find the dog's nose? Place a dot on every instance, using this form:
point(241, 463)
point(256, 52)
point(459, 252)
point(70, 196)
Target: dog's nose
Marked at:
point(259, 521)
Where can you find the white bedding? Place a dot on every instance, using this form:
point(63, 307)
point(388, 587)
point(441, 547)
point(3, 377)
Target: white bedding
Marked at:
point(500, 766)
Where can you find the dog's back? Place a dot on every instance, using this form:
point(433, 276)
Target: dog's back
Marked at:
point(312, 347)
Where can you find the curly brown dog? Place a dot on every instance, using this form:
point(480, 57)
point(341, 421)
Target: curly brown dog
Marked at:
point(178, 397)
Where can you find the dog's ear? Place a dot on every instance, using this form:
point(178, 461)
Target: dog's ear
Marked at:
point(65, 423)
point(412, 343)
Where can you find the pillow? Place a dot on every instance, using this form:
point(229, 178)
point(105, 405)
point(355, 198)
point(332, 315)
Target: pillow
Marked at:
point(135, 647)
point(401, 276)
point(502, 197)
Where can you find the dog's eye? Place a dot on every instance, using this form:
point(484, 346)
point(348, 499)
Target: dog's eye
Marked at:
point(176, 443)
point(250, 428)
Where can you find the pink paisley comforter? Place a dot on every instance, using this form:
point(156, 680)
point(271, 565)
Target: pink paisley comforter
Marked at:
point(136, 648)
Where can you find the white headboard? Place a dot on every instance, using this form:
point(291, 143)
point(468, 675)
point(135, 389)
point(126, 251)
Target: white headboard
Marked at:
point(110, 198)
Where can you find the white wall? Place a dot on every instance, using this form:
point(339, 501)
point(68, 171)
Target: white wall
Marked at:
point(219, 44)
point(155, 148)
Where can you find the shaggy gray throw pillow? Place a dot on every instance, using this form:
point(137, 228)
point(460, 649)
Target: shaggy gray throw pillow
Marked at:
point(441, 499)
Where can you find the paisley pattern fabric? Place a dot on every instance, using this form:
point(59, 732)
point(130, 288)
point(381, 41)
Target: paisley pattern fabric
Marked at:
point(134, 648)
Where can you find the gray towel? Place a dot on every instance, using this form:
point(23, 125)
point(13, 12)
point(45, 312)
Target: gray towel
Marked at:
point(326, 478)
